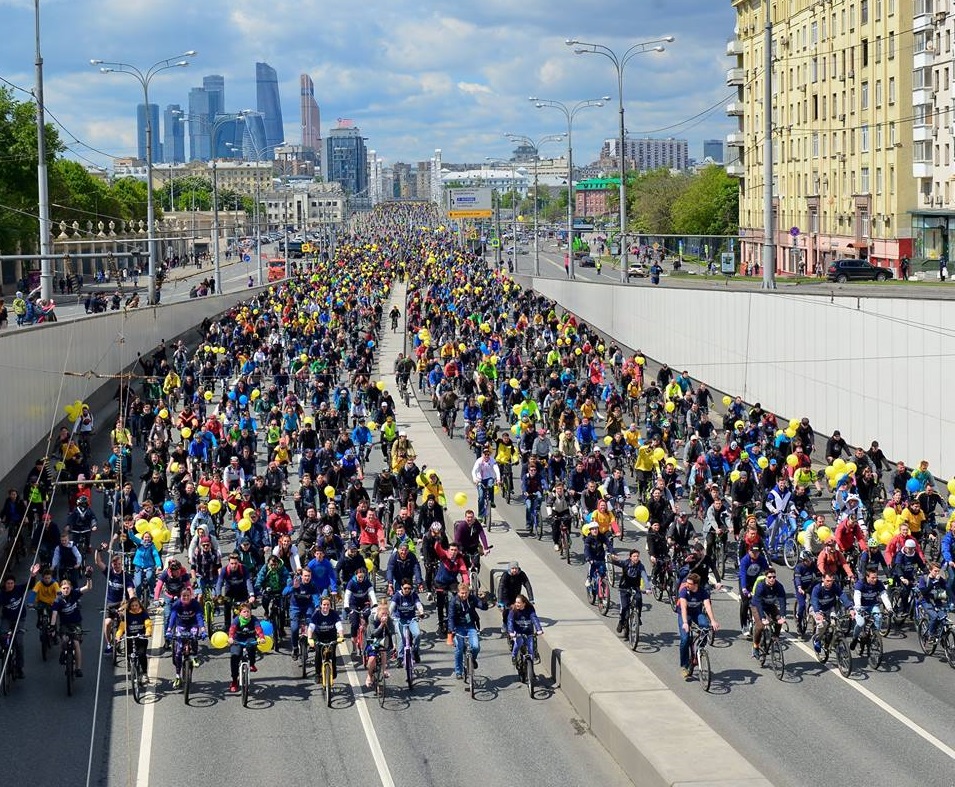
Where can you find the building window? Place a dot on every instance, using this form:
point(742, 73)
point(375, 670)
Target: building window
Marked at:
point(891, 53)
point(815, 144)
point(864, 139)
point(864, 223)
point(814, 33)
point(891, 90)
point(878, 180)
point(923, 7)
point(878, 136)
point(864, 46)
point(864, 177)
point(922, 151)
point(878, 93)
point(864, 11)
point(864, 96)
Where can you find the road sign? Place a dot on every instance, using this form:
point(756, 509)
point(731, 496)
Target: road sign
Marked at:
point(728, 263)
point(472, 235)
point(794, 231)
point(246, 258)
point(307, 248)
point(469, 203)
point(495, 243)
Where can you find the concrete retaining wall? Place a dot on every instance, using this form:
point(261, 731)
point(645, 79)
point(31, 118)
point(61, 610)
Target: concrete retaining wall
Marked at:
point(873, 368)
point(33, 361)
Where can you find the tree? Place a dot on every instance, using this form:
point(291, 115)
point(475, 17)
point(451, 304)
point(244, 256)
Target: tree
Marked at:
point(75, 195)
point(650, 199)
point(709, 205)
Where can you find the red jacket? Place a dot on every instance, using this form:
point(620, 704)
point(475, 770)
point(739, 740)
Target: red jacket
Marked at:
point(848, 533)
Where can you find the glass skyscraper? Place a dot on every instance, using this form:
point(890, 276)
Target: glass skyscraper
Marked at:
point(154, 131)
point(174, 135)
point(214, 85)
point(200, 144)
point(346, 160)
point(269, 103)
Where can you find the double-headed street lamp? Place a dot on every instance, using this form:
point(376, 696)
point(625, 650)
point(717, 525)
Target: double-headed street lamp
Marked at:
point(144, 77)
point(259, 152)
point(570, 112)
point(512, 166)
point(620, 63)
point(536, 146)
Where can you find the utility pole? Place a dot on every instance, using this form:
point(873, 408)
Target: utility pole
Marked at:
point(46, 262)
point(769, 241)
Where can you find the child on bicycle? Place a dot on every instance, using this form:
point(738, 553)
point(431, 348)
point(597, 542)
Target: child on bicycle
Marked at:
point(380, 639)
point(135, 622)
point(245, 633)
point(69, 617)
point(522, 622)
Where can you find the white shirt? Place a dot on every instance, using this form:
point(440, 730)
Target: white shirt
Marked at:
point(485, 470)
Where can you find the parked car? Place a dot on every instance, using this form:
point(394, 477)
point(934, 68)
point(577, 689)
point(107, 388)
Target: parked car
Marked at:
point(638, 269)
point(586, 262)
point(856, 270)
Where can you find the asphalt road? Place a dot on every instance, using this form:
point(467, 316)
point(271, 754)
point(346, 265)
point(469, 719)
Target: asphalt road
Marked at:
point(435, 735)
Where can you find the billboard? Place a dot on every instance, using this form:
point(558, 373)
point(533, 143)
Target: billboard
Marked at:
point(469, 203)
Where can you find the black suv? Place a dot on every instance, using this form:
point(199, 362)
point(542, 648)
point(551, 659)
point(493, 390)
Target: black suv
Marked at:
point(856, 270)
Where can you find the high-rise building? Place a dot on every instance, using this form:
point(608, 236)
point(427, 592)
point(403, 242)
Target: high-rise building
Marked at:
point(269, 103)
point(154, 132)
point(713, 149)
point(375, 178)
point(214, 85)
point(310, 115)
point(844, 112)
point(346, 160)
point(174, 135)
point(403, 181)
point(647, 154)
point(200, 143)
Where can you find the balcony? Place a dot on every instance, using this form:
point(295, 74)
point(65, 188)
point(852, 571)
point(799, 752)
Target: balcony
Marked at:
point(734, 47)
point(734, 109)
point(922, 169)
point(736, 169)
point(924, 59)
point(735, 77)
point(923, 95)
point(735, 139)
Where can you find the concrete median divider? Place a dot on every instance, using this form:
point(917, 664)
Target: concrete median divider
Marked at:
point(654, 736)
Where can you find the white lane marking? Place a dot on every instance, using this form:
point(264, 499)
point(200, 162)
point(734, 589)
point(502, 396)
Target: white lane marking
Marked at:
point(384, 772)
point(146, 736)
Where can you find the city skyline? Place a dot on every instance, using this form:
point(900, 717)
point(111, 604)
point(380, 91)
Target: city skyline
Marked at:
point(414, 76)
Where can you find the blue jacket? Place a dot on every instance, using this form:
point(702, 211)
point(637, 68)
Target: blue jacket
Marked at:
point(766, 594)
point(948, 546)
point(749, 570)
point(323, 575)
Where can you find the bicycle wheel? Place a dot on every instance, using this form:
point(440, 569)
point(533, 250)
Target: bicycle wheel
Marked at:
point(928, 645)
point(469, 672)
point(7, 682)
point(776, 659)
point(44, 644)
point(790, 553)
point(875, 650)
point(948, 645)
point(706, 674)
point(529, 675)
point(134, 679)
point(276, 619)
point(658, 590)
point(409, 668)
point(672, 599)
point(303, 654)
point(612, 573)
point(720, 556)
point(70, 667)
point(844, 658)
point(885, 626)
point(186, 674)
point(327, 681)
point(633, 626)
point(603, 596)
point(763, 646)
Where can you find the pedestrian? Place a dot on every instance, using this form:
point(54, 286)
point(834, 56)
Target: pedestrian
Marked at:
point(567, 265)
point(655, 271)
point(943, 267)
point(3, 314)
point(904, 268)
point(598, 264)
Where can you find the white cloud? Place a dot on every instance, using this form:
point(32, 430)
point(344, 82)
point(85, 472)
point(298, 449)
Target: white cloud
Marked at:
point(472, 88)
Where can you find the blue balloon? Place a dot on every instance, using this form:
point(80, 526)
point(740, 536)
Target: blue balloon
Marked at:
point(243, 400)
point(232, 396)
point(370, 344)
point(913, 485)
point(169, 507)
point(267, 628)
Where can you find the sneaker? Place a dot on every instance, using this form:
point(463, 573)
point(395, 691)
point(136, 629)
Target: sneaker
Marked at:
point(143, 680)
point(557, 547)
point(177, 682)
point(431, 597)
point(756, 653)
point(620, 627)
point(853, 643)
point(514, 660)
point(234, 687)
point(816, 645)
point(474, 664)
point(295, 652)
point(686, 673)
point(458, 676)
point(109, 649)
point(195, 662)
point(368, 683)
point(253, 668)
point(78, 673)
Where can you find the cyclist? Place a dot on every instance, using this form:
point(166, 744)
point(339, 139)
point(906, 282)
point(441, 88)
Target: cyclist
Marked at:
point(823, 604)
point(522, 622)
point(867, 592)
point(768, 602)
point(136, 623)
point(561, 510)
point(270, 583)
point(933, 598)
point(872, 556)
point(485, 474)
point(751, 566)
point(596, 547)
point(403, 565)
point(406, 608)
point(304, 596)
point(463, 620)
point(324, 629)
point(323, 571)
point(693, 607)
point(805, 576)
point(832, 561)
point(904, 567)
point(119, 587)
point(67, 560)
point(471, 539)
point(169, 587)
point(450, 566)
point(509, 587)
point(69, 617)
point(716, 525)
point(185, 618)
point(379, 640)
point(681, 534)
point(533, 486)
point(245, 633)
point(359, 599)
point(634, 581)
point(82, 523)
point(12, 596)
point(234, 586)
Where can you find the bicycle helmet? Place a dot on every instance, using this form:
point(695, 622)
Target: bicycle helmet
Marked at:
point(435, 527)
point(873, 543)
point(327, 530)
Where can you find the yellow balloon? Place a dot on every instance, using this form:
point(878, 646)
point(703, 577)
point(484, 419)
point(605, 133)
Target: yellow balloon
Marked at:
point(727, 401)
point(608, 440)
point(851, 467)
point(59, 466)
point(763, 462)
point(801, 538)
point(481, 399)
point(380, 385)
point(156, 533)
point(256, 393)
point(792, 460)
point(461, 499)
point(839, 465)
point(659, 454)
point(824, 533)
point(888, 514)
point(202, 490)
point(641, 360)
point(885, 536)
point(372, 425)
point(577, 351)
point(266, 645)
point(156, 523)
point(669, 407)
point(369, 565)
point(208, 397)
point(329, 492)
point(951, 500)
point(186, 433)
point(734, 476)
point(794, 424)
point(219, 640)
point(641, 514)
point(142, 526)
point(164, 413)
point(514, 383)
point(245, 525)
point(789, 432)
point(215, 506)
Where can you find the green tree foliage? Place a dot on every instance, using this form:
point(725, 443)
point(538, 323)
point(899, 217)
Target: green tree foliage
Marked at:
point(709, 205)
point(651, 196)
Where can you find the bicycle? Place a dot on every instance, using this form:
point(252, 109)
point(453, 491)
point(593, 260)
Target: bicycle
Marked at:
point(699, 655)
point(782, 544)
point(303, 649)
point(404, 391)
point(68, 657)
point(770, 647)
point(662, 580)
point(245, 670)
point(507, 482)
point(448, 417)
point(474, 569)
point(565, 537)
point(598, 592)
point(184, 642)
point(381, 674)
point(525, 659)
point(946, 637)
point(132, 664)
point(618, 503)
point(468, 664)
point(47, 632)
point(633, 620)
point(6, 677)
point(833, 639)
point(534, 524)
point(208, 600)
point(407, 653)
point(276, 617)
point(611, 571)
point(870, 642)
point(324, 668)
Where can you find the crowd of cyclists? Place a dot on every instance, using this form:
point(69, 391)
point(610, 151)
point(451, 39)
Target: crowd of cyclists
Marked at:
point(239, 492)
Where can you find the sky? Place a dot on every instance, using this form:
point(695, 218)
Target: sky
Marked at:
point(414, 75)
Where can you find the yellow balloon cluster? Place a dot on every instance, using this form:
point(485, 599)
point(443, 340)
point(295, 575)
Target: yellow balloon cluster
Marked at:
point(74, 411)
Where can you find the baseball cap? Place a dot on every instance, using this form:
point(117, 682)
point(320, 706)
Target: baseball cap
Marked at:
point(205, 540)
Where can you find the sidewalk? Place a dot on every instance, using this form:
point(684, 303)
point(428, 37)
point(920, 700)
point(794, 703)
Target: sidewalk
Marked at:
point(641, 723)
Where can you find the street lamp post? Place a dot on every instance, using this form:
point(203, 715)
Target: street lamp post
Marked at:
point(259, 152)
point(570, 112)
point(144, 77)
point(43, 183)
point(620, 63)
point(536, 145)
